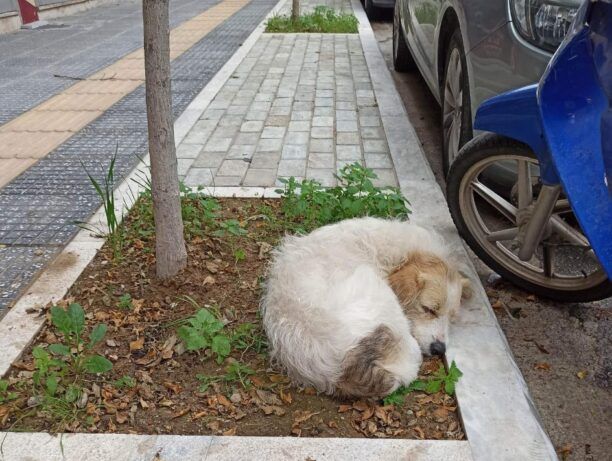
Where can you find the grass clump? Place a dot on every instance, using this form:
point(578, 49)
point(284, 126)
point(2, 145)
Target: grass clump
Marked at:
point(441, 380)
point(63, 369)
point(321, 20)
point(310, 205)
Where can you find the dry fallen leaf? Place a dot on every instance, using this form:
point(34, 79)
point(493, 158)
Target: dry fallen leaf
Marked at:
point(168, 347)
point(212, 267)
point(419, 431)
point(310, 391)
point(180, 413)
point(174, 387)
point(566, 450)
point(299, 416)
point(137, 344)
point(278, 378)
point(344, 408)
point(582, 374)
point(223, 400)
point(231, 431)
point(269, 409)
point(286, 397)
point(360, 405)
point(209, 280)
point(542, 366)
point(497, 304)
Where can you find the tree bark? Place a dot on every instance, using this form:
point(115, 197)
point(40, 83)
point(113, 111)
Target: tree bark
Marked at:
point(295, 10)
point(170, 252)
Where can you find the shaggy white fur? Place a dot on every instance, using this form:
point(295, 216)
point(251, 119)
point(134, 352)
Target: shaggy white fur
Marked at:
point(328, 290)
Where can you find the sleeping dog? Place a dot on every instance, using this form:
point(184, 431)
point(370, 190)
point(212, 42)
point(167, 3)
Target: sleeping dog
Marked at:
point(351, 307)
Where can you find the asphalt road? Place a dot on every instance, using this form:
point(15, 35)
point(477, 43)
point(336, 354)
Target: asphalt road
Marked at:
point(563, 350)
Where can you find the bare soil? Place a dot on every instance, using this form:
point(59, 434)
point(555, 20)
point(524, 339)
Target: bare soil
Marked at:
point(167, 397)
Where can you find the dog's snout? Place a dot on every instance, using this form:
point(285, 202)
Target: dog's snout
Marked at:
point(437, 348)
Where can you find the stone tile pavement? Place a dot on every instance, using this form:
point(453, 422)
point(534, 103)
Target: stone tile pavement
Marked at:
point(299, 105)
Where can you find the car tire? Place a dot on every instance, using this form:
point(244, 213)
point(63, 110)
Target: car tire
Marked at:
point(370, 9)
point(485, 147)
point(402, 58)
point(455, 101)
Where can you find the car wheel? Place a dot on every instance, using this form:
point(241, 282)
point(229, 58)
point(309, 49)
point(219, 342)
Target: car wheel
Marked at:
point(402, 58)
point(563, 267)
point(370, 9)
point(455, 94)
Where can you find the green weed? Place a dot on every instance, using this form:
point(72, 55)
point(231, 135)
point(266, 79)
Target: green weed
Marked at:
point(125, 381)
point(441, 380)
point(125, 301)
point(115, 233)
point(234, 372)
point(310, 205)
point(322, 20)
point(5, 394)
point(204, 330)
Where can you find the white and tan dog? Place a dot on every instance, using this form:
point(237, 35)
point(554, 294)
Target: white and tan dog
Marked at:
point(351, 307)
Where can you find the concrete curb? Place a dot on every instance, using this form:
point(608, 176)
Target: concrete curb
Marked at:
point(499, 417)
point(127, 447)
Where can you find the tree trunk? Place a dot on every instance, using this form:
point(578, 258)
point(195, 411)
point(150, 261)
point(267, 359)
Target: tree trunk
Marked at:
point(295, 10)
point(170, 251)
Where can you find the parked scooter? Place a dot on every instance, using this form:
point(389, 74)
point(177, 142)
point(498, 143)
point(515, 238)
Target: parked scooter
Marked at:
point(551, 232)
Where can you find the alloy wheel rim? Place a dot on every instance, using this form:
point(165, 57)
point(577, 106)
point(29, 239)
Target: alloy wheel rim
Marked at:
point(499, 244)
point(453, 105)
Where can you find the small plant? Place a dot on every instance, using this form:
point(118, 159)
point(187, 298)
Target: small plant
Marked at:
point(125, 381)
point(59, 370)
point(247, 336)
point(234, 372)
point(204, 330)
point(125, 301)
point(322, 20)
point(229, 227)
point(239, 255)
point(115, 233)
point(441, 380)
point(5, 394)
point(311, 205)
point(198, 211)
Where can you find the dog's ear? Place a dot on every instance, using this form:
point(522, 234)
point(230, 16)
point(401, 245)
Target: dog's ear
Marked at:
point(406, 284)
point(466, 286)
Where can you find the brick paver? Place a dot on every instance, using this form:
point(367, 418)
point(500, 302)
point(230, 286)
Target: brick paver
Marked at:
point(298, 105)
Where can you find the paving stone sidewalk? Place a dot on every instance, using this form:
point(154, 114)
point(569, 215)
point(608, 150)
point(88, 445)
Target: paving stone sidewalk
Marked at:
point(299, 105)
point(38, 209)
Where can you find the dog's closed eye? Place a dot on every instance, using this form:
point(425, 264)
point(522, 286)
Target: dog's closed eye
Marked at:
point(430, 310)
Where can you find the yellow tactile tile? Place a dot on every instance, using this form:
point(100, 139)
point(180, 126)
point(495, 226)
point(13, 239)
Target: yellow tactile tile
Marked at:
point(93, 101)
point(39, 131)
point(24, 145)
point(52, 120)
point(11, 167)
point(122, 87)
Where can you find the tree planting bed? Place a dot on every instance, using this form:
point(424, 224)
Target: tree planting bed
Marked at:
point(158, 386)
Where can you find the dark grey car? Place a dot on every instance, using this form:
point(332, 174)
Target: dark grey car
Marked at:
point(470, 50)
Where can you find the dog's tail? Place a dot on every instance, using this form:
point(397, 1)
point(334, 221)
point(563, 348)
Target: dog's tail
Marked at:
point(363, 374)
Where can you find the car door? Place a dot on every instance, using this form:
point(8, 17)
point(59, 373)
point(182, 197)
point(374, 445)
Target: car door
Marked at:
point(423, 16)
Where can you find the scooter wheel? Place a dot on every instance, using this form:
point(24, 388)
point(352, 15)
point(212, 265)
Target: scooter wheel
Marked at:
point(484, 205)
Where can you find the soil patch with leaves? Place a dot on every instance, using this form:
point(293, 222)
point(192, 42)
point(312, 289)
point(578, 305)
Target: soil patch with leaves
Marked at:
point(125, 352)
